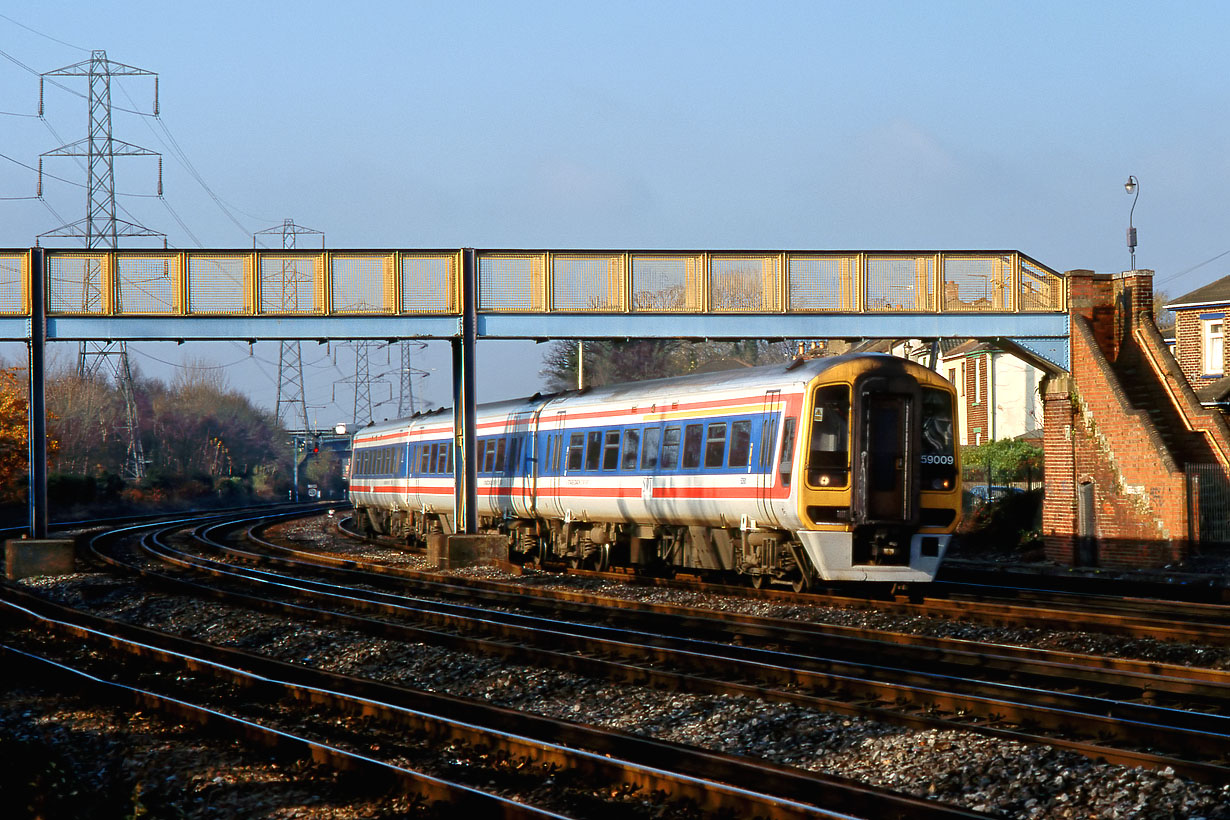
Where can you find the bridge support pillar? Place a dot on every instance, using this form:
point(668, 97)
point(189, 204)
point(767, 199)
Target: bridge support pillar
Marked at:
point(465, 457)
point(36, 350)
point(1059, 509)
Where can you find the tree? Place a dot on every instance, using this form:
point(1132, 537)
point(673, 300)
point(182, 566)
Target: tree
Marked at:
point(1009, 459)
point(14, 436)
point(1164, 319)
point(637, 360)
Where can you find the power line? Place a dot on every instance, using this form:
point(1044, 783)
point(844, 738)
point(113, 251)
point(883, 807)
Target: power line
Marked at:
point(1173, 276)
point(41, 34)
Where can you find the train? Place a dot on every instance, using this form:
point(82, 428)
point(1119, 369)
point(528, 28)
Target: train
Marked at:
point(831, 469)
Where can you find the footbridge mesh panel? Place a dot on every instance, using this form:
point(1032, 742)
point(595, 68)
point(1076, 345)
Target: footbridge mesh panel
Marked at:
point(410, 282)
point(148, 284)
point(13, 296)
point(219, 284)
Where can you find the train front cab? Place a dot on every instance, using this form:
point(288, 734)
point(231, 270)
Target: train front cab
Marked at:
point(879, 494)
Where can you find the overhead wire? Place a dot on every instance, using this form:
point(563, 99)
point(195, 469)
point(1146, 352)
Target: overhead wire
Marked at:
point(42, 34)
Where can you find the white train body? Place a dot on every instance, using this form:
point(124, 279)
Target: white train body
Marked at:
point(741, 470)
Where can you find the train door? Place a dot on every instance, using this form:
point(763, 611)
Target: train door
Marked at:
point(886, 468)
point(762, 453)
point(519, 464)
point(552, 482)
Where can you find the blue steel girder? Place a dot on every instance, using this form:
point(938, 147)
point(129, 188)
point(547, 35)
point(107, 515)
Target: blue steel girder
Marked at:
point(1043, 335)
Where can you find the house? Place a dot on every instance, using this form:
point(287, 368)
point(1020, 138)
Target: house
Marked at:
point(1200, 347)
point(997, 392)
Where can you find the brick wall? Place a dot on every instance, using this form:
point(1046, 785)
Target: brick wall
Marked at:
point(977, 420)
point(1189, 346)
point(1095, 438)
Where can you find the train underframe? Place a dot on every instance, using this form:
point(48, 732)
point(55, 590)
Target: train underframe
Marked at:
point(763, 557)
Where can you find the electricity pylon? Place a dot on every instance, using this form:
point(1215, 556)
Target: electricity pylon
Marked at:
point(405, 396)
point(291, 398)
point(101, 228)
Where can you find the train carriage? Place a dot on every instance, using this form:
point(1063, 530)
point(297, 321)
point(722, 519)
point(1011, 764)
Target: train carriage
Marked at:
point(841, 469)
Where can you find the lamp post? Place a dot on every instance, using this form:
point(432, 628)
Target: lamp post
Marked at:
point(1132, 186)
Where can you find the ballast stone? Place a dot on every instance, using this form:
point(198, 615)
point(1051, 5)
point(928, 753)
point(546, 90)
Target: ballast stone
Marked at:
point(26, 557)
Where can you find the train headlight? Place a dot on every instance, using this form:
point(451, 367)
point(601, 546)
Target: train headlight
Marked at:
point(824, 481)
point(941, 484)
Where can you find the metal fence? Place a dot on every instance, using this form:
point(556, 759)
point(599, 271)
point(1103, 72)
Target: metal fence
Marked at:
point(1208, 503)
point(416, 282)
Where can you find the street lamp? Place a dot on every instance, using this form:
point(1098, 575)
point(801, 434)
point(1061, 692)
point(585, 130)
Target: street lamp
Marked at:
point(1132, 186)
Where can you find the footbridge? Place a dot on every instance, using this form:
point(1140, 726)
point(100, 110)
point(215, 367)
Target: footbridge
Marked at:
point(466, 295)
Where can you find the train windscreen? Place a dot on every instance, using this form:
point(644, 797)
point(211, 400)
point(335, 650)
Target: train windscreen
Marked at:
point(938, 457)
point(828, 459)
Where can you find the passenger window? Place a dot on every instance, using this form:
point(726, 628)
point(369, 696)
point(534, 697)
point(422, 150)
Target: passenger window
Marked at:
point(559, 446)
point(444, 458)
point(593, 450)
point(546, 462)
point(715, 445)
point(610, 450)
point(649, 449)
point(514, 450)
point(632, 443)
point(768, 437)
point(740, 444)
point(501, 447)
point(785, 465)
point(692, 437)
point(576, 451)
point(670, 448)
point(425, 458)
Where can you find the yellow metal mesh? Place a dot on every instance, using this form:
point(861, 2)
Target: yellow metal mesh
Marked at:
point(744, 283)
point(587, 282)
point(1040, 289)
point(77, 283)
point(666, 283)
point(146, 284)
point(288, 284)
point(429, 284)
point(362, 284)
point(13, 283)
point(218, 284)
point(899, 283)
point(509, 282)
point(821, 282)
point(977, 283)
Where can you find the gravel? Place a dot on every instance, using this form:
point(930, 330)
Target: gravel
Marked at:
point(1002, 778)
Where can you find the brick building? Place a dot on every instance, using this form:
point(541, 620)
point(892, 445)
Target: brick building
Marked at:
point(1200, 341)
point(1123, 431)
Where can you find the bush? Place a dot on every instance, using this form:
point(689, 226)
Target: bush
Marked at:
point(1012, 522)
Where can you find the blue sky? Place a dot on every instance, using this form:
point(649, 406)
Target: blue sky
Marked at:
point(645, 124)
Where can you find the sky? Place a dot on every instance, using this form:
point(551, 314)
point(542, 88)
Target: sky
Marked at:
point(706, 125)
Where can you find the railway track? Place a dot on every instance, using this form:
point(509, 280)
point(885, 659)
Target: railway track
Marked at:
point(1113, 716)
point(1095, 608)
point(1133, 713)
point(576, 765)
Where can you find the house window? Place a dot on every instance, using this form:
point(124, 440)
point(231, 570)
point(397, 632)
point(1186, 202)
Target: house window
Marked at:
point(1213, 361)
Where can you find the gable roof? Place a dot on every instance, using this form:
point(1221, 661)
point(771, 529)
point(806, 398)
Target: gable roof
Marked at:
point(1212, 293)
point(1214, 392)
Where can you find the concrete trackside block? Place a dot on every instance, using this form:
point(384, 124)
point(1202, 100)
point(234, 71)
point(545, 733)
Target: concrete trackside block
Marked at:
point(453, 551)
point(42, 556)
